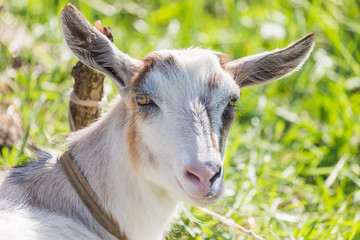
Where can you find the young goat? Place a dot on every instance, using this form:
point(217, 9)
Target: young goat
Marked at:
point(160, 144)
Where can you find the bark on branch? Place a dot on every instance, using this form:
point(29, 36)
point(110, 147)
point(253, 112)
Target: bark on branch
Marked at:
point(88, 87)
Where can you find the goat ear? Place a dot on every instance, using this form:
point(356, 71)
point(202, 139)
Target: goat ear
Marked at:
point(266, 67)
point(95, 50)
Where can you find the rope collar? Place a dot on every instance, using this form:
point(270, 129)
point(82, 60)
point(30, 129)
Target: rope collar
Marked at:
point(88, 196)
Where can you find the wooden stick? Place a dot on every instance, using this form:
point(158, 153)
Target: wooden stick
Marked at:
point(88, 87)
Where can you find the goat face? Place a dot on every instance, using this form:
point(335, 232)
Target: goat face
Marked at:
point(183, 104)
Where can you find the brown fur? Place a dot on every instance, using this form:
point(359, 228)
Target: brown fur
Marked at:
point(214, 80)
point(223, 59)
point(133, 141)
point(213, 140)
point(163, 64)
point(135, 144)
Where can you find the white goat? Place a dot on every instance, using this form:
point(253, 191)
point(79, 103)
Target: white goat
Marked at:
point(160, 144)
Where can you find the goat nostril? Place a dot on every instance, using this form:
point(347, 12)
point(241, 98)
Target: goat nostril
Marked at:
point(202, 175)
point(216, 176)
point(192, 176)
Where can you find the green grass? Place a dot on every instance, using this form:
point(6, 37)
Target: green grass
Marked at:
point(288, 136)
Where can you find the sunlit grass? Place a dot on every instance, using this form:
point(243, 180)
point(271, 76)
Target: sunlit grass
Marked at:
point(289, 136)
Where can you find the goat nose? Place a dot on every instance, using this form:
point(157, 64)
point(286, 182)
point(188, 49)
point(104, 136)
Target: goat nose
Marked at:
point(202, 174)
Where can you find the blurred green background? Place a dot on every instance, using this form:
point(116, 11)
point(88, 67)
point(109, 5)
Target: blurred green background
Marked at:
point(292, 163)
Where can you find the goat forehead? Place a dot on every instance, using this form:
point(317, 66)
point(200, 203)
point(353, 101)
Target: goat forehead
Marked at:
point(186, 74)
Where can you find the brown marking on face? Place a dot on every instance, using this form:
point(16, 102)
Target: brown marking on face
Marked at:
point(162, 63)
point(212, 135)
point(133, 141)
point(142, 74)
point(215, 78)
point(165, 64)
point(214, 81)
point(135, 144)
point(223, 60)
point(213, 140)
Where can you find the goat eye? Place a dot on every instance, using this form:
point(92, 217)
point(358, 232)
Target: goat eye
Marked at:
point(232, 102)
point(142, 100)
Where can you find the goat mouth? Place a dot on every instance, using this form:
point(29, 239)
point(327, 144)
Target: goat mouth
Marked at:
point(217, 190)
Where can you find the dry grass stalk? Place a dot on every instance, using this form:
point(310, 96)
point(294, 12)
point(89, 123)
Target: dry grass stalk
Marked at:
point(231, 223)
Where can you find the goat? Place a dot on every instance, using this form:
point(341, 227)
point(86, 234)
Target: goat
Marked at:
point(161, 143)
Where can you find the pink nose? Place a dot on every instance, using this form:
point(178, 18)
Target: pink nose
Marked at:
point(202, 175)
